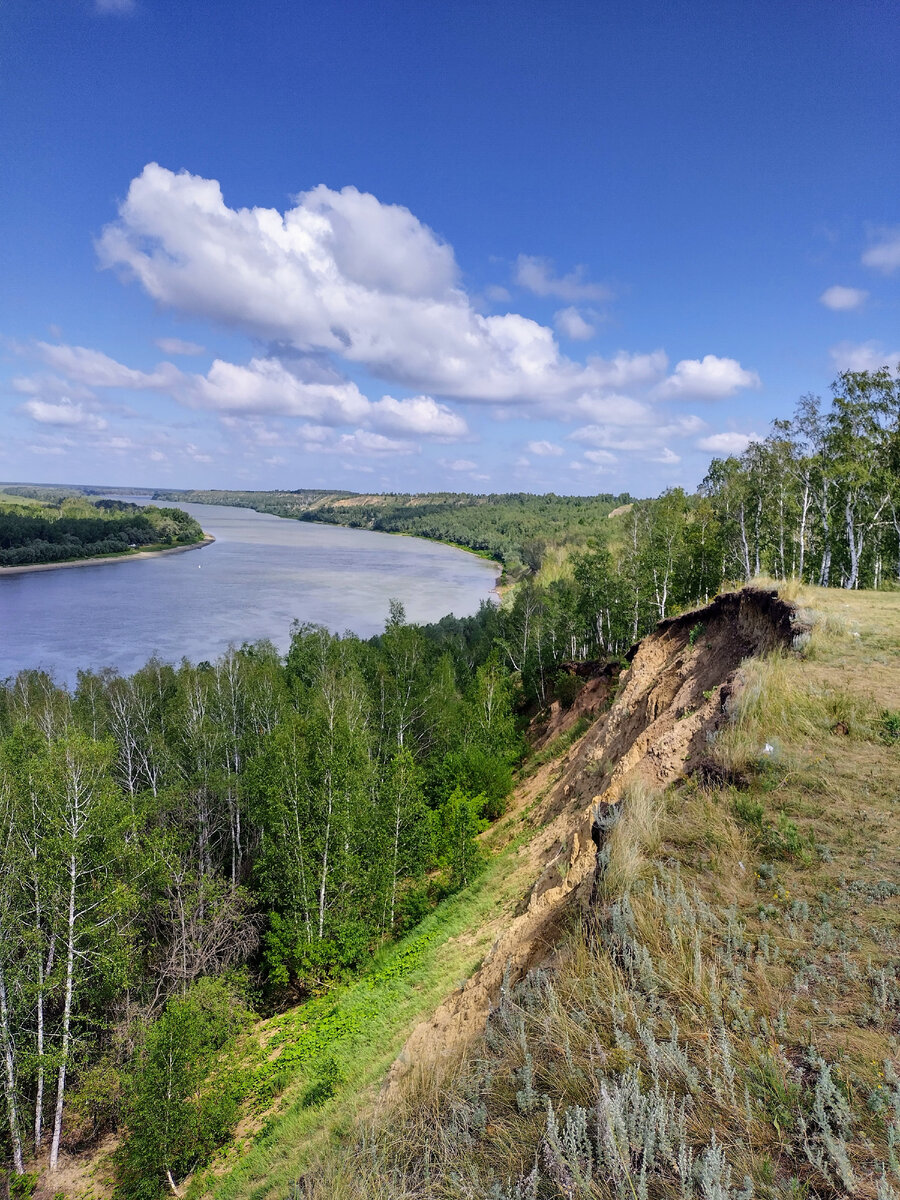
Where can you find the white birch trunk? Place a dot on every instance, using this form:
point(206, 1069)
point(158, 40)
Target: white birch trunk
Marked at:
point(9, 1079)
point(66, 1020)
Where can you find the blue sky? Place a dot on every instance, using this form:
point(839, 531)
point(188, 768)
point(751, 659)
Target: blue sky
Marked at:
point(482, 246)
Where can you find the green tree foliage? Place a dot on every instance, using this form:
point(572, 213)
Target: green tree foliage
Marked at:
point(73, 527)
point(291, 814)
point(182, 1092)
point(514, 528)
point(162, 830)
point(455, 825)
point(819, 499)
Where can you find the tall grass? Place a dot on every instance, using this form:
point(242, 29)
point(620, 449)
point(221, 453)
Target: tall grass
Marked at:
point(727, 1022)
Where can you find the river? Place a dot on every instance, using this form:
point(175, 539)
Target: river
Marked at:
point(261, 574)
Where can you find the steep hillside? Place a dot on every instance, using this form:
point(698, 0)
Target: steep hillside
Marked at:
point(672, 700)
point(722, 1020)
point(678, 967)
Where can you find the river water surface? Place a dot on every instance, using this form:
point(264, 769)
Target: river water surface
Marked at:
point(260, 575)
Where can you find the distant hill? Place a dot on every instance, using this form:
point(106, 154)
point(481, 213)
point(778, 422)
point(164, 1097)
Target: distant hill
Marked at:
point(514, 528)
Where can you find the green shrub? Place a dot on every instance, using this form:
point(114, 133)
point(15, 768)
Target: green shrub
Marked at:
point(479, 772)
point(183, 1092)
point(454, 828)
point(566, 688)
point(783, 839)
point(327, 1080)
point(749, 811)
point(20, 1187)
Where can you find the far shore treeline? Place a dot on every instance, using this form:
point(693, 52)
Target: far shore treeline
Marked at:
point(191, 842)
point(39, 525)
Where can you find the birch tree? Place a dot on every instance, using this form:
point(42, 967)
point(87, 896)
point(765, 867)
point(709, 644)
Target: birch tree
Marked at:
point(83, 805)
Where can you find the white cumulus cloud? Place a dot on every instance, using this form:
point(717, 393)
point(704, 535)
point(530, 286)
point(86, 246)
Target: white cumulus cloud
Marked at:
point(63, 411)
point(842, 299)
point(419, 415)
point(545, 449)
point(265, 385)
point(709, 378)
point(342, 273)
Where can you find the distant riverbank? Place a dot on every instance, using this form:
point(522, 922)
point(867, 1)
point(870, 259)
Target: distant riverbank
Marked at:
point(208, 539)
point(260, 576)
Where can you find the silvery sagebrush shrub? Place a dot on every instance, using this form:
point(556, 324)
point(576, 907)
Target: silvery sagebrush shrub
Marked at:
point(825, 1129)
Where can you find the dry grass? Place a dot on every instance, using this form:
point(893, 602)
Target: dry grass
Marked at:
point(634, 838)
point(740, 987)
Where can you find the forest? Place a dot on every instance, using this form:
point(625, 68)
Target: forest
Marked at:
point(513, 527)
point(193, 843)
point(816, 500)
point(222, 835)
point(63, 527)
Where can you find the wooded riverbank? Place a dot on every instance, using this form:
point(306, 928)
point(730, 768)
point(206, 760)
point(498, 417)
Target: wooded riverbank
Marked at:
point(147, 552)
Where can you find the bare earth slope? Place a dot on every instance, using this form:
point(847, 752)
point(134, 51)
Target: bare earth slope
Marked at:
point(675, 695)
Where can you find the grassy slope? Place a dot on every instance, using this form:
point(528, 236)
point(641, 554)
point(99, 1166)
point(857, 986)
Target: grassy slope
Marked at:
point(765, 918)
point(359, 1029)
point(760, 941)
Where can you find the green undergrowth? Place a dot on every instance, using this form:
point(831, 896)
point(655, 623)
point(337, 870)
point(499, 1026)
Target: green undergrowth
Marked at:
point(308, 1070)
point(725, 1022)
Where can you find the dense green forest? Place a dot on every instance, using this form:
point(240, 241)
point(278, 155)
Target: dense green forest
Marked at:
point(818, 501)
point(280, 504)
point(189, 824)
point(187, 844)
point(514, 528)
point(60, 527)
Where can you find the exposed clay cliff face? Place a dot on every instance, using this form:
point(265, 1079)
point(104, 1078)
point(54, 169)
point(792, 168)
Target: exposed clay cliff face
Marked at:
point(672, 698)
point(599, 681)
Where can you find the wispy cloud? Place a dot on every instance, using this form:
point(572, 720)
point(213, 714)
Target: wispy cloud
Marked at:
point(884, 252)
point(115, 7)
point(173, 345)
point(727, 443)
point(863, 356)
point(571, 324)
point(537, 275)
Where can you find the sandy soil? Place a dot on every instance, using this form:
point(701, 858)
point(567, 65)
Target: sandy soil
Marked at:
point(677, 691)
point(208, 539)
